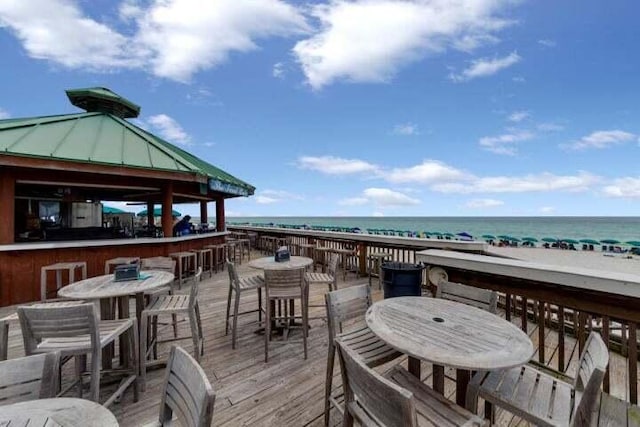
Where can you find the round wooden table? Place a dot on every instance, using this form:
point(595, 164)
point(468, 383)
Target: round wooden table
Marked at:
point(448, 333)
point(269, 263)
point(68, 412)
point(104, 288)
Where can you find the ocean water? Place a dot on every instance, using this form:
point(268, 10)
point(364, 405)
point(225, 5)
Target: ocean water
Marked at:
point(618, 228)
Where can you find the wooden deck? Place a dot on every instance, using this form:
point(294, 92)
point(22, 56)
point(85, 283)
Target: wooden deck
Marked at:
point(287, 391)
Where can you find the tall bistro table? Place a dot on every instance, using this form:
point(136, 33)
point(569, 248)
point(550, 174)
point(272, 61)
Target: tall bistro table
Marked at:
point(105, 288)
point(448, 333)
point(68, 412)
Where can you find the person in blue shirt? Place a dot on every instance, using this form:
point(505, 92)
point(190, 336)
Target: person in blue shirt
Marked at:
point(182, 227)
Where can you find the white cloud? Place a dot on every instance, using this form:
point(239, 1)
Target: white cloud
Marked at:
point(484, 203)
point(518, 116)
point(485, 67)
point(547, 210)
point(627, 187)
point(544, 182)
point(406, 129)
point(428, 172)
point(354, 201)
point(4, 114)
point(57, 30)
point(602, 139)
point(370, 40)
point(387, 197)
point(335, 165)
point(547, 43)
point(278, 70)
point(175, 38)
point(266, 197)
point(169, 129)
point(550, 127)
point(505, 144)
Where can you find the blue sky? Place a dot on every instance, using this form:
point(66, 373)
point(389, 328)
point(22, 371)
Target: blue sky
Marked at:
point(370, 107)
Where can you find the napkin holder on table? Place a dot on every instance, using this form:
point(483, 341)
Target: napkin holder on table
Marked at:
point(126, 272)
point(282, 254)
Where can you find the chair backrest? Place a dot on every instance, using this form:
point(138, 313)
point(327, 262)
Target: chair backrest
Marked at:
point(593, 364)
point(333, 264)
point(195, 285)
point(283, 282)
point(477, 297)
point(187, 392)
point(52, 321)
point(346, 304)
point(233, 274)
point(29, 378)
point(162, 263)
point(371, 398)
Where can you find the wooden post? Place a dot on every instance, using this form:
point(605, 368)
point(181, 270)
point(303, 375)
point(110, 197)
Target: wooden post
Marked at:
point(204, 218)
point(7, 207)
point(150, 217)
point(220, 220)
point(167, 209)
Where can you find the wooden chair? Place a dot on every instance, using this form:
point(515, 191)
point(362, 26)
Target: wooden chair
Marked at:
point(527, 391)
point(76, 331)
point(481, 298)
point(29, 378)
point(174, 305)
point(286, 286)
point(186, 392)
point(349, 305)
point(167, 264)
point(330, 278)
point(237, 286)
point(397, 400)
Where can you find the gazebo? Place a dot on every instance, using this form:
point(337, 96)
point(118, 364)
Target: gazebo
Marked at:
point(73, 161)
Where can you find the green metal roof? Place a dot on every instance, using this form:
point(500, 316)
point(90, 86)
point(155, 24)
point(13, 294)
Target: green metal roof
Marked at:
point(105, 139)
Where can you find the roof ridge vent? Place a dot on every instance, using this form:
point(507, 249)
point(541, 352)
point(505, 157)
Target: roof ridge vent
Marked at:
point(103, 100)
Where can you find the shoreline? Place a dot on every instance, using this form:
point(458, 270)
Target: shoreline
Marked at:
point(595, 260)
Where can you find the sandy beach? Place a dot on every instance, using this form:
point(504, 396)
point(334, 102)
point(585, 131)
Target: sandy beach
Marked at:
point(607, 261)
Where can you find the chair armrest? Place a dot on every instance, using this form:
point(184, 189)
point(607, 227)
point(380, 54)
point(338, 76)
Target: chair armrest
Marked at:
point(552, 372)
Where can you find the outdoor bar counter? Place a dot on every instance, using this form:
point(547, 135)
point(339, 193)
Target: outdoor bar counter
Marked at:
point(20, 263)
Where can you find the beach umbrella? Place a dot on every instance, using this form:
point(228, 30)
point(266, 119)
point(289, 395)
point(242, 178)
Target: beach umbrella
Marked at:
point(448, 234)
point(610, 241)
point(633, 243)
point(589, 241)
point(112, 210)
point(158, 212)
point(435, 233)
point(549, 239)
point(570, 241)
point(504, 237)
point(529, 239)
point(488, 236)
point(465, 234)
point(513, 239)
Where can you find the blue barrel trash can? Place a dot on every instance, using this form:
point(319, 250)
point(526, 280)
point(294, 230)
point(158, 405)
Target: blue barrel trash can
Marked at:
point(402, 279)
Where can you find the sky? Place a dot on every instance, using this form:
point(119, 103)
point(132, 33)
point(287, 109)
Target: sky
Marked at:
point(362, 107)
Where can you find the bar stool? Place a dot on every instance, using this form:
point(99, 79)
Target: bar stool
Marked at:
point(114, 262)
point(231, 249)
point(375, 260)
point(320, 257)
point(186, 264)
point(244, 244)
point(59, 267)
point(346, 255)
point(204, 259)
point(218, 256)
point(306, 249)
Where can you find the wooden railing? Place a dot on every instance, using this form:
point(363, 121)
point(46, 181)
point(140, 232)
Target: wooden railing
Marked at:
point(563, 303)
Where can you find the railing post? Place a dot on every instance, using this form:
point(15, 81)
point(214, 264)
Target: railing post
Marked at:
point(605, 338)
point(541, 331)
point(362, 261)
point(633, 364)
point(561, 363)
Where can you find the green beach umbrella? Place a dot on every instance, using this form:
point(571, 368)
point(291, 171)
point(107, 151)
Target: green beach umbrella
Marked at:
point(549, 239)
point(488, 236)
point(610, 241)
point(633, 243)
point(112, 210)
point(570, 241)
point(589, 241)
point(158, 212)
point(448, 234)
point(529, 239)
point(504, 237)
point(513, 239)
point(436, 233)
